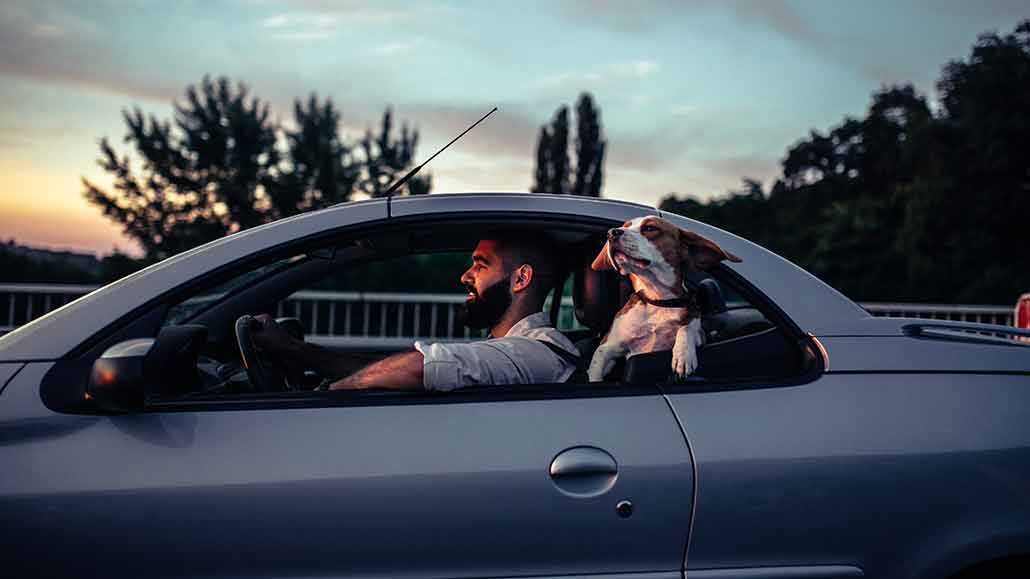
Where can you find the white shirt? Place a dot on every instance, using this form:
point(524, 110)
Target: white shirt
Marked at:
point(517, 358)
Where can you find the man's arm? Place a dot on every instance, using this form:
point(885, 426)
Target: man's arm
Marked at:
point(401, 371)
point(272, 338)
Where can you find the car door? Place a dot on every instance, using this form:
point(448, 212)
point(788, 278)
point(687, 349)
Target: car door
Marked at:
point(868, 469)
point(465, 485)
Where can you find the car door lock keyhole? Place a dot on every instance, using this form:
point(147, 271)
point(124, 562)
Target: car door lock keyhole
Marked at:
point(624, 509)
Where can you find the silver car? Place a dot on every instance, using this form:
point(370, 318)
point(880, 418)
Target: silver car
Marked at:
point(813, 441)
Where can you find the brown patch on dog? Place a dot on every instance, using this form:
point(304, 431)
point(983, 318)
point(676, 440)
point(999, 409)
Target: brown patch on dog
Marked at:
point(699, 252)
point(602, 261)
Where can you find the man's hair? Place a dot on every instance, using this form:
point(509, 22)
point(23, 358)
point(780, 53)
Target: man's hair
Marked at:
point(524, 246)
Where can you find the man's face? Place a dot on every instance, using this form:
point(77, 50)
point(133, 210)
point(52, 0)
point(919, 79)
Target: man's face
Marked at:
point(487, 282)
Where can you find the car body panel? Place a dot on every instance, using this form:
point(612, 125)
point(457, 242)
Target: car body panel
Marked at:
point(7, 371)
point(784, 572)
point(436, 489)
point(456, 203)
point(900, 353)
point(889, 473)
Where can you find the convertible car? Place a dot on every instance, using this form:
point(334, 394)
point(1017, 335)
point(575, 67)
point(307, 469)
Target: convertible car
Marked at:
point(141, 434)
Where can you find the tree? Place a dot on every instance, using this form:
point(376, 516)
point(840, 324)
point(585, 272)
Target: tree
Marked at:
point(223, 165)
point(553, 166)
point(322, 171)
point(984, 207)
point(386, 159)
point(589, 149)
point(906, 203)
point(552, 155)
point(200, 182)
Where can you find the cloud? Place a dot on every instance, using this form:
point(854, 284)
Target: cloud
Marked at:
point(510, 132)
point(646, 16)
point(395, 48)
point(738, 167)
point(682, 109)
point(320, 22)
point(59, 46)
point(777, 15)
point(612, 73)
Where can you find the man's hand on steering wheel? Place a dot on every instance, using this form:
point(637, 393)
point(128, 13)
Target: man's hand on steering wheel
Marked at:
point(264, 346)
point(270, 337)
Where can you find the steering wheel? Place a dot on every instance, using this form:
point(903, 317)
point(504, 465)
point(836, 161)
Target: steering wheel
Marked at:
point(264, 376)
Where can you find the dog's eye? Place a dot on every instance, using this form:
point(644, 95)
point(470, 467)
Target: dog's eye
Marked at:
point(648, 229)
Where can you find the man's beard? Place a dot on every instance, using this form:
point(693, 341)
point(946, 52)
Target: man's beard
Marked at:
point(486, 309)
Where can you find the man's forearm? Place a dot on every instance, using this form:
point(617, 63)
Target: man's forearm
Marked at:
point(326, 362)
point(398, 372)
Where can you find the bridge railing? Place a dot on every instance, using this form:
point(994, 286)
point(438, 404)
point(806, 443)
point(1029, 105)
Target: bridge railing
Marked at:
point(344, 318)
point(1000, 315)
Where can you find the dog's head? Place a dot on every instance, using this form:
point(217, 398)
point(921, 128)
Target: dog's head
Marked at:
point(655, 249)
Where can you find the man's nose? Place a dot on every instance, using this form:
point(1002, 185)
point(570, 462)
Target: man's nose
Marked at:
point(465, 278)
point(615, 232)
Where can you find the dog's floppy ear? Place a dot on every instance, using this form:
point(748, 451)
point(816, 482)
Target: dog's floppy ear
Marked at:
point(700, 252)
point(603, 260)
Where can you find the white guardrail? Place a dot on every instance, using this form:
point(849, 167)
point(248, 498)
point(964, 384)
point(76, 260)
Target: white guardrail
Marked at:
point(395, 319)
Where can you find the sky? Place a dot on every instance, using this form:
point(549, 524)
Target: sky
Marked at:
point(695, 95)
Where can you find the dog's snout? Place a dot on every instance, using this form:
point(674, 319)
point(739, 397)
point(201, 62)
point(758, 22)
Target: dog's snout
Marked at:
point(614, 232)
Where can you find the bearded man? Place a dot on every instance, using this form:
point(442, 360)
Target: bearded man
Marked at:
point(511, 274)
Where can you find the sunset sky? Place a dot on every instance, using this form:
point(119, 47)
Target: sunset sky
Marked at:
point(694, 94)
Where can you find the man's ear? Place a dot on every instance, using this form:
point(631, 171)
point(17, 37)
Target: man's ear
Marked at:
point(603, 260)
point(700, 252)
point(521, 277)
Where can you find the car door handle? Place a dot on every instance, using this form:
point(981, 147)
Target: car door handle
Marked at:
point(583, 461)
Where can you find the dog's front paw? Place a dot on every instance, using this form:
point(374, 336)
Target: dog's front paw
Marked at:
point(684, 362)
point(599, 368)
point(684, 352)
point(600, 365)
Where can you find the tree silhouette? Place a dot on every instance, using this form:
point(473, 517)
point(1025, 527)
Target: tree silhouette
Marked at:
point(553, 166)
point(322, 171)
point(552, 155)
point(589, 149)
point(222, 165)
point(201, 181)
point(906, 204)
point(386, 159)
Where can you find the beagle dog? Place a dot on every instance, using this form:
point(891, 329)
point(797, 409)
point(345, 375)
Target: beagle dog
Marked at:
point(653, 253)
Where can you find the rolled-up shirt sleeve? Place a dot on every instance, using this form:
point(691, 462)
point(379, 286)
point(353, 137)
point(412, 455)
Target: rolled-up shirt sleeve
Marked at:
point(448, 366)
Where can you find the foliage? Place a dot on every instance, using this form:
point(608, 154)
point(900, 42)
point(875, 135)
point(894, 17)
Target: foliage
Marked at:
point(18, 265)
point(223, 165)
point(908, 203)
point(553, 166)
point(386, 160)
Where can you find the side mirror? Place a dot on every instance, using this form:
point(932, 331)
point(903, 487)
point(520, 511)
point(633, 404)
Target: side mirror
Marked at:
point(116, 383)
point(126, 373)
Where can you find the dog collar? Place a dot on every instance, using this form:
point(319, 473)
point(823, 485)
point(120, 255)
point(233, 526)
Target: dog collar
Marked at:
point(680, 302)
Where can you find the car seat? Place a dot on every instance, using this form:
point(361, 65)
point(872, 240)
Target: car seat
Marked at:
point(596, 297)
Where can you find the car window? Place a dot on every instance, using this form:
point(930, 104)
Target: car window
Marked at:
point(728, 314)
point(371, 297)
point(185, 310)
point(384, 304)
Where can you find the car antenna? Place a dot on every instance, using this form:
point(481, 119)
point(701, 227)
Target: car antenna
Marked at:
point(411, 173)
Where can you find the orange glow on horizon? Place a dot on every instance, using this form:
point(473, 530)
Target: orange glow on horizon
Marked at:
point(45, 208)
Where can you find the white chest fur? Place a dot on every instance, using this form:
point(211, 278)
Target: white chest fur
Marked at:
point(646, 328)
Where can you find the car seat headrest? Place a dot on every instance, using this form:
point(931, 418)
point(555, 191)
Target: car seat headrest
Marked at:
point(710, 298)
point(597, 295)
